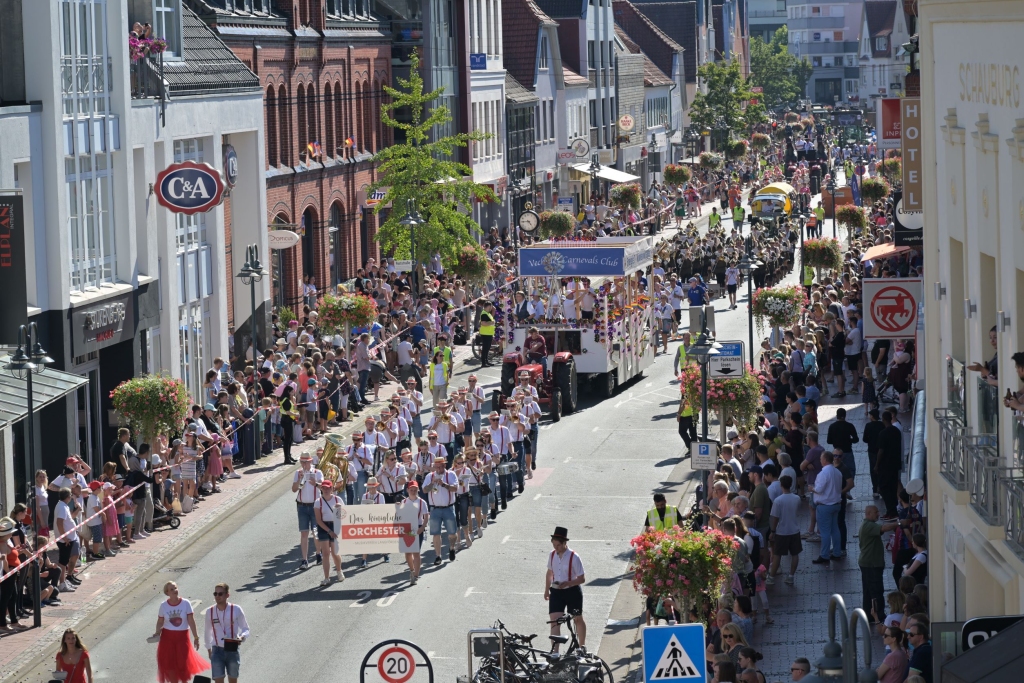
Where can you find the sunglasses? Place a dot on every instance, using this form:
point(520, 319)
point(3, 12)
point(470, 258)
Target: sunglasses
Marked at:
point(728, 637)
point(433, 438)
point(217, 594)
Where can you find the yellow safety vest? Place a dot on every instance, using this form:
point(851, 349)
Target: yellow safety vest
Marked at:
point(819, 214)
point(714, 220)
point(447, 354)
point(671, 518)
point(486, 324)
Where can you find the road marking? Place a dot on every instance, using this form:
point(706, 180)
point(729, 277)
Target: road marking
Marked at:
point(362, 597)
point(537, 497)
point(575, 540)
point(469, 591)
point(649, 384)
point(505, 540)
point(562, 496)
point(618, 429)
point(567, 459)
point(595, 429)
point(546, 427)
point(388, 598)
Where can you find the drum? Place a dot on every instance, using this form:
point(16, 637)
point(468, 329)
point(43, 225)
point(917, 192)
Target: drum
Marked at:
point(508, 468)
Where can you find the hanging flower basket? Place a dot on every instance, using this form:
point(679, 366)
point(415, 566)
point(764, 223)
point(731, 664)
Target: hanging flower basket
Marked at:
point(472, 264)
point(152, 405)
point(892, 168)
point(351, 310)
point(710, 161)
point(760, 142)
point(778, 306)
point(556, 224)
point(823, 253)
point(689, 566)
point(738, 148)
point(792, 117)
point(851, 217)
point(677, 174)
point(873, 189)
point(626, 196)
point(780, 133)
point(739, 397)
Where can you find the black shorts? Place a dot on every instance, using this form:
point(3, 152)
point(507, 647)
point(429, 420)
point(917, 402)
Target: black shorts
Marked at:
point(787, 545)
point(731, 288)
point(853, 363)
point(64, 552)
point(321, 534)
point(837, 365)
point(566, 600)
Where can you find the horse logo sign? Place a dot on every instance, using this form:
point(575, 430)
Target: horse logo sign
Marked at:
point(891, 307)
point(189, 187)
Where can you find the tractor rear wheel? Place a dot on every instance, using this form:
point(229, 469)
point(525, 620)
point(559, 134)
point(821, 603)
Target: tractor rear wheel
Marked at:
point(565, 379)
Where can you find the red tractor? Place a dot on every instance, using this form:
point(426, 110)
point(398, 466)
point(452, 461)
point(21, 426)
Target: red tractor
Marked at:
point(558, 391)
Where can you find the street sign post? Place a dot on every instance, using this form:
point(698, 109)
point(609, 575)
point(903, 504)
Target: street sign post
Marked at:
point(396, 661)
point(890, 307)
point(705, 456)
point(729, 361)
point(674, 654)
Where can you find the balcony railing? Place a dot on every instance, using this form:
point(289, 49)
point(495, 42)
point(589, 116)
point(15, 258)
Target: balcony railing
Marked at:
point(593, 138)
point(952, 457)
point(956, 383)
point(1014, 522)
point(147, 77)
point(984, 476)
point(989, 406)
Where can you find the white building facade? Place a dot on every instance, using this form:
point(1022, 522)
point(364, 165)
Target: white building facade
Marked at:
point(487, 97)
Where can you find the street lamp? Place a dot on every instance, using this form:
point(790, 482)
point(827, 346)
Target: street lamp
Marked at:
point(747, 266)
point(595, 168)
point(830, 187)
point(23, 365)
point(703, 349)
point(251, 273)
point(411, 220)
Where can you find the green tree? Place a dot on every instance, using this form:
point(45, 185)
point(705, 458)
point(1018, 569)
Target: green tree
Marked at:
point(727, 95)
point(802, 72)
point(422, 169)
point(782, 75)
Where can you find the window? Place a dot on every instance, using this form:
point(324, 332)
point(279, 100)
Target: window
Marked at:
point(851, 60)
point(543, 58)
point(815, 61)
point(837, 36)
point(881, 43)
point(591, 57)
point(167, 25)
point(551, 120)
point(851, 87)
point(837, 11)
point(815, 11)
point(816, 37)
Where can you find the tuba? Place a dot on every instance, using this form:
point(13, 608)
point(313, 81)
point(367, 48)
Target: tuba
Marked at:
point(333, 463)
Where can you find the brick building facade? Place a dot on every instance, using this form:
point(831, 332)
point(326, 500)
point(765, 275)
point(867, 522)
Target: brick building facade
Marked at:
point(321, 64)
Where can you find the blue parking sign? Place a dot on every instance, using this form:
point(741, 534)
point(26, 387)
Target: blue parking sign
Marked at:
point(674, 653)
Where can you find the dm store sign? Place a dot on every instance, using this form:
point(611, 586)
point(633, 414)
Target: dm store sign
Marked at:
point(189, 187)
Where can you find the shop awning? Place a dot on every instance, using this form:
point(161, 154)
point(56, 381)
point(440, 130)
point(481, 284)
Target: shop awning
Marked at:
point(882, 251)
point(997, 660)
point(47, 387)
point(607, 173)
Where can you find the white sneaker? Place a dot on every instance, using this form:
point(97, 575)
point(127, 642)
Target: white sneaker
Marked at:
point(144, 534)
point(66, 587)
point(234, 475)
point(769, 580)
point(325, 582)
point(339, 575)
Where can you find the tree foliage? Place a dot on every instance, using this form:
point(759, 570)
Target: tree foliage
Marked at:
point(422, 169)
point(725, 100)
point(782, 76)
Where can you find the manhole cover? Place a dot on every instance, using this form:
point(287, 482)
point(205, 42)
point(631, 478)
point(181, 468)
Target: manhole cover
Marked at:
point(61, 613)
point(174, 570)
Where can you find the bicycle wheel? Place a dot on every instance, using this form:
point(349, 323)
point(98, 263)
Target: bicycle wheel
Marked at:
point(477, 347)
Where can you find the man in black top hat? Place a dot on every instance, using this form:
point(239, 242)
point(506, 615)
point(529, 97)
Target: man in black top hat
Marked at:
point(562, 586)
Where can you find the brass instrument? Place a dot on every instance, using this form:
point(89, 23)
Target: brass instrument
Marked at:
point(381, 426)
point(333, 463)
point(446, 416)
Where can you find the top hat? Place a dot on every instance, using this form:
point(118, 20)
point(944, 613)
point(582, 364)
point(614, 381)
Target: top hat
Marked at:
point(561, 533)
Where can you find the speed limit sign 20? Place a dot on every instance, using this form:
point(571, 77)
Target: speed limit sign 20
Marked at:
point(396, 661)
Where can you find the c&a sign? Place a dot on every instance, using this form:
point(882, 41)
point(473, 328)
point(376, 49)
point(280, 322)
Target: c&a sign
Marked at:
point(189, 187)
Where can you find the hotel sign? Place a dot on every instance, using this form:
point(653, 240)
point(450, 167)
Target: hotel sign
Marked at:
point(910, 137)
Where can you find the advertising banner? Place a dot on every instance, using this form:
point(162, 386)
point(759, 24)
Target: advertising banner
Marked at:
point(889, 123)
point(909, 225)
point(370, 529)
point(890, 307)
point(910, 132)
point(573, 261)
point(13, 283)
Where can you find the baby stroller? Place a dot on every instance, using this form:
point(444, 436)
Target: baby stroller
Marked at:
point(162, 516)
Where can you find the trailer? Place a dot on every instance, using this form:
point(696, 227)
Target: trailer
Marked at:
point(608, 349)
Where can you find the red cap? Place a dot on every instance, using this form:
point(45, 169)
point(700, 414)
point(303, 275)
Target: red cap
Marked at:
point(95, 485)
point(327, 482)
point(412, 485)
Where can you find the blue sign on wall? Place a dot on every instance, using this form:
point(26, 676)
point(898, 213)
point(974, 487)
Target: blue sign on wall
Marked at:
point(189, 187)
point(477, 61)
point(573, 261)
point(674, 654)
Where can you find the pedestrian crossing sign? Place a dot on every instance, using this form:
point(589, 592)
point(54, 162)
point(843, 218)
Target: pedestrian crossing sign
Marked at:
point(673, 653)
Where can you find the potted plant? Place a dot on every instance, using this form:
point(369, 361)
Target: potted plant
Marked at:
point(342, 312)
point(791, 117)
point(556, 224)
point(851, 217)
point(285, 315)
point(626, 196)
point(823, 253)
point(778, 306)
point(780, 133)
point(760, 142)
point(472, 264)
point(892, 168)
point(738, 398)
point(710, 161)
point(152, 405)
point(690, 567)
point(874, 189)
point(738, 148)
point(677, 174)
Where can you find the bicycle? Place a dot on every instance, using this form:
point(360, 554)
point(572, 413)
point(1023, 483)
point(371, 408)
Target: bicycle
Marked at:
point(496, 352)
point(522, 665)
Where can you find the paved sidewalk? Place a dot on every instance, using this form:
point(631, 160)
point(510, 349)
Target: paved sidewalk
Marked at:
point(104, 581)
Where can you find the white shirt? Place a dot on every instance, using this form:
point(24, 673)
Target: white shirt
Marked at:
point(373, 498)
point(565, 568)
point(501, 439)
point(62, 511)
point(328, 506)
point(422, 510)
point(442, 497)
point(404, 352)
point(520, 391)
point(224, 624)
point(310, 481)
point(828, 486)
point(360, 458)
point(475, 399)
point(388, 478)
point(175, 616)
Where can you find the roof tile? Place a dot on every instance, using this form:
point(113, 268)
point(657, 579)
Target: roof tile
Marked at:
point(658, 47)
point(677, 20)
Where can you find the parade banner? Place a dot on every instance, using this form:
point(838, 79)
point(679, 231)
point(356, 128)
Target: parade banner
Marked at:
point(569, 260)
point(370, 529)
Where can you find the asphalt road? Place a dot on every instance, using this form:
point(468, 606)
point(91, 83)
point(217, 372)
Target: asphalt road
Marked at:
point(596, 471)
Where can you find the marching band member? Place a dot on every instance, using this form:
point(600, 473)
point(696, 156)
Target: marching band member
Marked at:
point(486, 446)
point(462, 501)
point(441, 424)
point(305, 486)
point(475, 401)
point(517, 424)
point(475, 458)
point(415, 407)
point(412, 468)
point(504, 452)
point(372, 497)
point(440, 485)
point(414, 560)
point(400, 402)
point(532, 411)
point(376, 441)
point(524, 387)
point(360, 467)
point(392, 476)
point(458, 416)
point(326, 534)
point(424, 460)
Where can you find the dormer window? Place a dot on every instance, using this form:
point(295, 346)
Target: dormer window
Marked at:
point(881, 43)
point(543, 58)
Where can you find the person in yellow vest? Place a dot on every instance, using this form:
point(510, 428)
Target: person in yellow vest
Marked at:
point(486, 332)
point(687, 426)
point(682, 358)
point(738, 214)
point(715, 219)
point(808, 279)
point(819, 213)
point(445, 351)
point(662, 516)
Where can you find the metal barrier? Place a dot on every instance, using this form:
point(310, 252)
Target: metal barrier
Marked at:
point(479, 646)
point(952, 461)
point(984, 472)
point(1014, 521)
point(918, 456)
point(989, 406)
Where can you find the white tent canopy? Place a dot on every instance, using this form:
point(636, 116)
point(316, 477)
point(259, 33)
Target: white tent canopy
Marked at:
point(607, 173)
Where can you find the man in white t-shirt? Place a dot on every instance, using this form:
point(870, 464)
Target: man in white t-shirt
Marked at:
point(786, 530)
point(306, 487)
point(68, 547)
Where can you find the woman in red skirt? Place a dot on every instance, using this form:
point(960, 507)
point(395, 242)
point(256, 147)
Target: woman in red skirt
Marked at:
point(176, 661)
